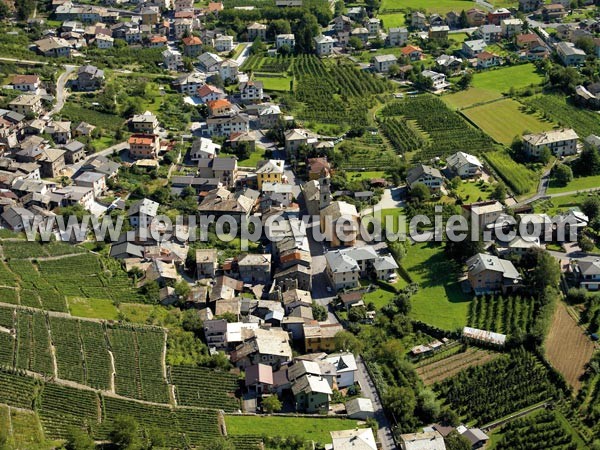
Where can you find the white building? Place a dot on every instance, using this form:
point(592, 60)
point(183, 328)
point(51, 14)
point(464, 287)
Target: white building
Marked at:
point(324, 45)
point(172, 59)
point(224, 43)
point(382, 63)
point(285, 39)
point(438, 79)
point(397, 37)
point(560, 142)
point(204, 148)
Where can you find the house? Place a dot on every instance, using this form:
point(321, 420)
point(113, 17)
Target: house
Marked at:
point(221, 107)
point(142, 212)
point(397, 37)
point(255, 268)
point(103, 41)
point(498, 15)
point(94, 180)
point(561, 142)
point(209, 62)
point(418, 20)
point(360, 408)
point(339, 223)
point(448, 64)
point(385, 268)
point(342, 270)
point(382, 63)
point(485, 60)
point(311, 393)
point(74, 152)
point(54, 47)
point(587, 272)
point(172, 59)
point(359, 438)
point(192, 46)
point(225, 126)
point(429, 440)
point(427, 175)
point(270, 171)
point(413, 53)
point(569, 54)
point(476, 17)
point(126, 250)
point(511, 27)
point(256, 30)
point(324, 45)
point(490, 274)
point(288, 40)
point(229, 70)
point(439, 32)
point(26, 104)
point(475, 436)
point(208, 92)
point(453, 19)
point(484, 213)
point(320, 337)
point(296, 276)
point(146, 123)
point(16, 218)
point(223, 169)
point(361, 33)
point(553, 12)
point(345, 367)
point(157, 41)
point(269, 116)
point(251, 91)
point(438, 80)
point(182, 26)
point(259, 378)
point(207, 262)
point(490, 33)
point(465, 165)
point(266, 346)
point(473, 48)
point(144, 146)
point(532, 46)
point(89, 78)
point(52, 162)
point(530, 5)
point(204, 148)
point(294, 139)
point(373, 25)
point(150, 15)
point(277, 194)
point(318, 168)
point(220, 202)
point(60, 131)
point(223, 43)
point(26, 83)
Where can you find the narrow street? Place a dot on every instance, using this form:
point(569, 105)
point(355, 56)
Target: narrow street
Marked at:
point(61, 92)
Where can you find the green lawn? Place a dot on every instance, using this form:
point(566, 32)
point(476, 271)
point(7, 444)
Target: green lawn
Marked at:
point(440, 300)
point(391, 215)
point(576, 185)
point(380, 297)
point(458, 37)
point(253, 159)
point(556, 205)
point(505, 119)
point(431, 6)
point(469, 97)
point(394, 20)
point(93, 308)
point(368, 175)
point(471, 191)
point(308, 428)
point(275, 83)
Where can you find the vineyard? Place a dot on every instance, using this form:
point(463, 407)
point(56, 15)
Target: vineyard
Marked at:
point(365, 152)
point(448, 131)
point(205, 388)
point(518, 177)
point(32, 351)
point(268, 64)
point(436, 371)
point(26, 249)
point(507, 315)
point(61, 407)
point(539, 431)
point(558, 109)
point(138, 357)
point(335, 94)
point(498, 388)
point(401, 135)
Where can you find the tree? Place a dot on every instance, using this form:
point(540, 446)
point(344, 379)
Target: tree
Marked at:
point(258, 47)
point(585, 243)
point(401, 402)
point(546, 271)
point(77, 439)
point(419, 193)
point(465, 81)
point(463, 20)
point(591, 207)
point(182, 289)
point(586, 44)
point(588, 162)
point(545, 155)
point(347, 342)
point(563, 174)
point(455, 441)
point(124, 433)
point(394, 70)
point(499, 192)
point(306, 30)
point(271, 404)
point(319, 312)
point(278, 26)
point(356, 43)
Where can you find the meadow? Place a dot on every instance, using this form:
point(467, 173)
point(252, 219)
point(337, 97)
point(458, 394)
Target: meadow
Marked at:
point(506, 119)
point(577, 184)
point(431, 6)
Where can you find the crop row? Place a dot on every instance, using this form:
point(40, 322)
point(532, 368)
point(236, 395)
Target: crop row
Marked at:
point(502, 314)
point(520, 179)
point(205, 388)
point(401, 135)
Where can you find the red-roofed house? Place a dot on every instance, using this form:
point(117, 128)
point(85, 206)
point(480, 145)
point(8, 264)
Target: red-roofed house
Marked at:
point(192, 46)
point(412, 52)
point(220, 107)
point(157, 41)
point(318, 168)
point(487, 59)
point(144, 146)
point(207, 93)
point(26, 83)
point(215, 7)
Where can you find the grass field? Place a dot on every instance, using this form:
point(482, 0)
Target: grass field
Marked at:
point(393, 20)
point(440, 300)
point(253, 159)
point(368, 175)
point(558, 204)
point(576, 184)
point(463, 99)
point(93, 308)
point(505, 119)
point(568, 349)
point(471, 191)
point(431, 6)
point(275, 83)
point(308, 428)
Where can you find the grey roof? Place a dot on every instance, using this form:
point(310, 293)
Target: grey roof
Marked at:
point(482, 262)
point(340, 262)
point(144, 206)
point(419, 170)
point(126, 248)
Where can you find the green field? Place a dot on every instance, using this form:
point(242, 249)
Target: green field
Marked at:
point(440, 300)
point(275, 83)
point(518, 177)
point(577, 184)
point(253, 159)
point(471, 191)
point(367, 175)
point(470, 97)
point(93, 308)
point(506, 119)
point(392, 20)
point(316, 429)
point(431, 6)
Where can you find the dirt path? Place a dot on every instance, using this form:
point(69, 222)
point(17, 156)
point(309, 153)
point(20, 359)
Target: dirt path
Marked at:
point(113, 371)
point(568, 348)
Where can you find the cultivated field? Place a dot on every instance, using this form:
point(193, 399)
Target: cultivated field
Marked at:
point(506, 119)
point(518, 177)
point(448, 367)
point(568, 349)
point(431, 6)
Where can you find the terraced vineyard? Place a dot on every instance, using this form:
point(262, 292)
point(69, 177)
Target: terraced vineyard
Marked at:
point(138, 356)
point(439, 370)
point(205, 388)
point(33, 343)
point(7, 278)
point(506, 315)
point(26, 249)
point(17, 390)
point(448, 131)
point(97, 359)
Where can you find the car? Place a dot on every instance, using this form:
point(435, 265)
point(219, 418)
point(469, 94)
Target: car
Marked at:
point(329, 289)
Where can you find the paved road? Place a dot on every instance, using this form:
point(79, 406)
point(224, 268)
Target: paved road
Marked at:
point(61, 92)
point(244, 54)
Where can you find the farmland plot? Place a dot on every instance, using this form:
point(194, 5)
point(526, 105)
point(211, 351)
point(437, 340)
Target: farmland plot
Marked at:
point(206, 388)
point(445, 368)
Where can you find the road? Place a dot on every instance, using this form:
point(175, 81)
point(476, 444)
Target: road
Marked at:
point(24, 61)
point(244, 54)
point(106, 152)
point(61, 92)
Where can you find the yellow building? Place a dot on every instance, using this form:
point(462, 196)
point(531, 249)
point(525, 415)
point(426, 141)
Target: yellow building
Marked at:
point(270, 171)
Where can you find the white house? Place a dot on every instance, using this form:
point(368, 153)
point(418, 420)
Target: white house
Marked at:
point(382, 63)
point(560, 142)
point(473, 48)
point(397, 37)
point(438, 79)
point(224, 43)
point(204, 148)
point(324, 45)
point(345, 366)
point(464, 165)
point(429, 176)
point(285, 39)
point(172, 59)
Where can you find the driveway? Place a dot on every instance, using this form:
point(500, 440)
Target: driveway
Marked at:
point(391, 198)
point(61, 93)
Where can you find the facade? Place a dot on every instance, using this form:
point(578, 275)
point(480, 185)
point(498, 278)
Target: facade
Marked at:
point(382, 63)
point(560, 142)
point(224, 43)
point(27, 104)
point(257, 30)
point(270, 171)
point(397, 37)
point(251, 91)
point(172, 59)
point(285, 39)
point(429, 176)
point(207, 262)
point(465, 165)
point(144, 146)
point(569, 54)
point(490, 274)
point(324, 45)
